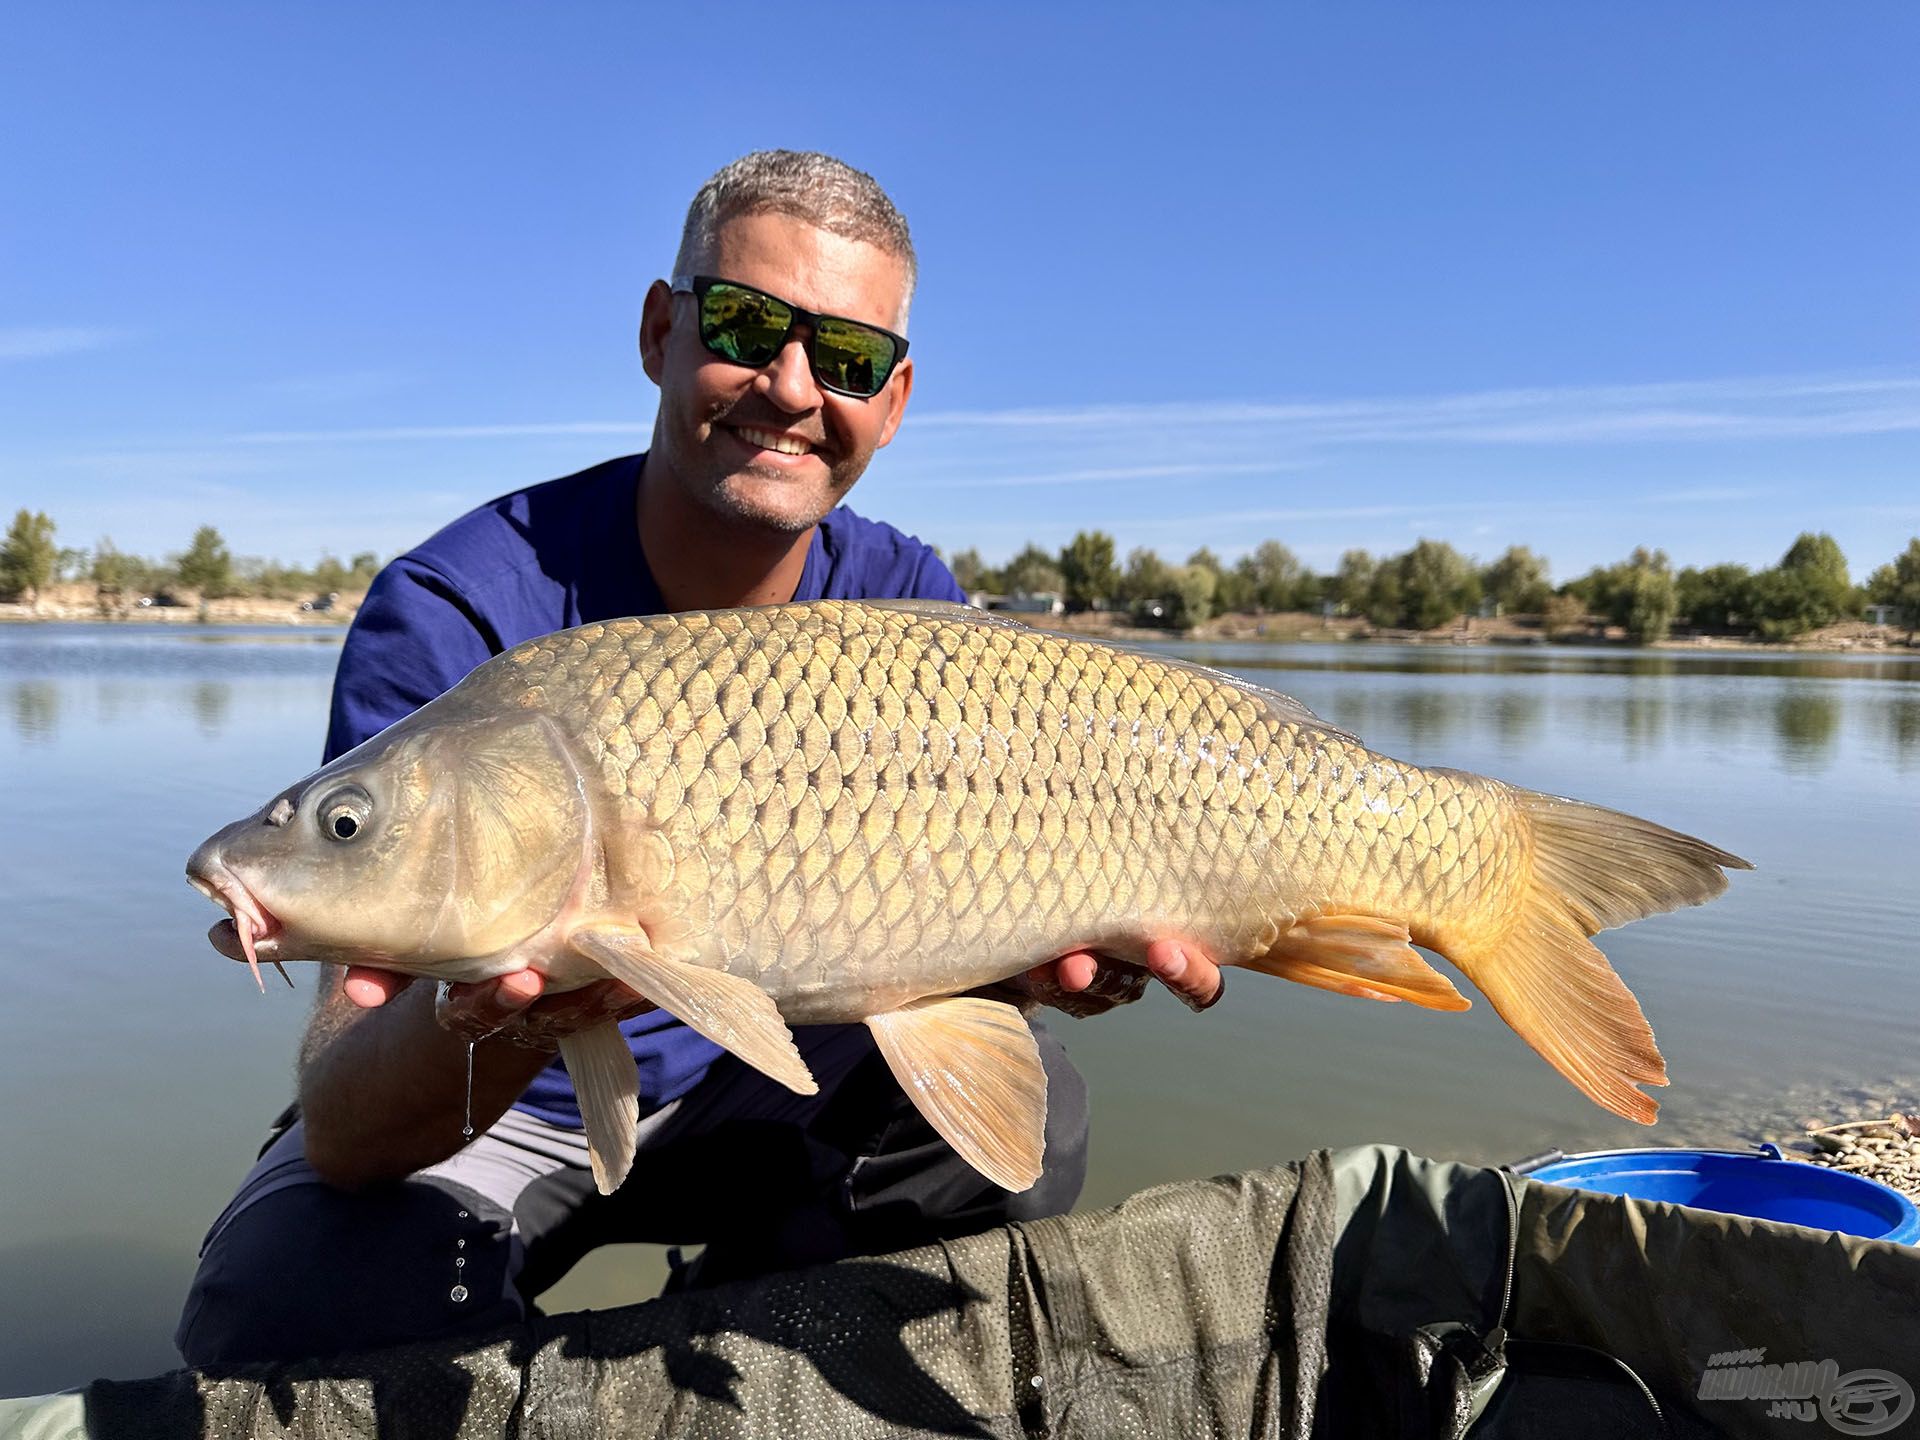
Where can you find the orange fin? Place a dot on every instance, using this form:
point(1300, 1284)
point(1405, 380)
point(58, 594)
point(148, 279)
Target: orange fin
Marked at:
point(600, 1064)
point(1555, 988)
point(971, 1066)
point(1361, 955)
point(1593, 868)
point(735, 1014)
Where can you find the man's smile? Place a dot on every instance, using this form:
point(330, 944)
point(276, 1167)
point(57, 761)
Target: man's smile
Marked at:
point(777, 441)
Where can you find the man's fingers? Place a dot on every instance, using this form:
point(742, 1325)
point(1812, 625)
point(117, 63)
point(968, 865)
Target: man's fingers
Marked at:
point(474, 1011)
point(1188, 971)
point(370, 988)
point(1072, 973)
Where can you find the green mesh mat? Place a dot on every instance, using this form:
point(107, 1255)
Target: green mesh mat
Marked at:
point(1365, 1292)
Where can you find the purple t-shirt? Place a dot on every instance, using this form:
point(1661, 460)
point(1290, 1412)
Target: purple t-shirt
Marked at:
point(561, 554)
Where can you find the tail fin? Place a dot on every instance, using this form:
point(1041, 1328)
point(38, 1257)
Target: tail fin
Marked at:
point(1593, 869)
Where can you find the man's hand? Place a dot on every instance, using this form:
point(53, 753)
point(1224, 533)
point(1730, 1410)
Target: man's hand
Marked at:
point(510, 1006)
point(1082, 983)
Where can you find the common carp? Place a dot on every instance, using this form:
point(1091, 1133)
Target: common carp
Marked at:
point(860, 811)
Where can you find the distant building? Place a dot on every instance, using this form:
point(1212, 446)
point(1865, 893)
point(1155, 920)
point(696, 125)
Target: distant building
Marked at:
point(1879, 614)
point(1041, 602)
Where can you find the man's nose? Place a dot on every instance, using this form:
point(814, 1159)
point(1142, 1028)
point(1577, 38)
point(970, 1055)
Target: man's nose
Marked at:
point(789, 378)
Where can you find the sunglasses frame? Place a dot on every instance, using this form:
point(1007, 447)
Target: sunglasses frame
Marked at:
point(698, 285)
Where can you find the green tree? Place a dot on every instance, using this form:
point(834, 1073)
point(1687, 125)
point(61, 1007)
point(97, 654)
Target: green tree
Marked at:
point(206, 567)
point(1517, 582)
point(1565, 615)
point(1087, 567)
point(1898, 584)
point(329, 576)
point(1033, 571)
point(969, 569)
point(28, 556)
point(1809, 588)
point(1234, 590)
point(1714, 598)
point(1647, 596)
point(1351, 583)
point(1145, 580)
point(1193, 592)
point(1275, 576)
point(1436, 584)
point(1384, 600)
point(364, 567)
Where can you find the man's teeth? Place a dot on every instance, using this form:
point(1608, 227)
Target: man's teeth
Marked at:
point(767, 440)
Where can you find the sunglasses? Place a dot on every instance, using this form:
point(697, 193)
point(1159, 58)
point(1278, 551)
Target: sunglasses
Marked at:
point(750, 327)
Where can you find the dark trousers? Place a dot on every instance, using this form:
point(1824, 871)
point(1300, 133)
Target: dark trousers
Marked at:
point(765, 1179)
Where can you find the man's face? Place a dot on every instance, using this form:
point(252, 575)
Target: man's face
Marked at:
point(725, 432)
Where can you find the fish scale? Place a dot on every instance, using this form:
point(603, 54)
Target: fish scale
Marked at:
point(847, 811)
point(833, 673)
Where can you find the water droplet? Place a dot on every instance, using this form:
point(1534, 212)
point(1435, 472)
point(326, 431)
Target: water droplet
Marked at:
point(457, 1294)
point(460, 1263)
point(467, 1129)
point(460, 1244)
point(463, 1214)
point(1039, 1382)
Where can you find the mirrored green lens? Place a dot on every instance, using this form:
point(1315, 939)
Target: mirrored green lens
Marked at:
point(743, 325)
point(852, 357)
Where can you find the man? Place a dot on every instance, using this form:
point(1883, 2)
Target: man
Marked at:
point(370, 1219)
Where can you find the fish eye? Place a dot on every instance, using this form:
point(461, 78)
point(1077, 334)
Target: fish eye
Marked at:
point(343, 815)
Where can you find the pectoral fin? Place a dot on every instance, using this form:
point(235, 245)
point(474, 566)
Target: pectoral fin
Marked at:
point(601, 1066)
point(1360, 955)
point(972, 1067)
point(735, 1014)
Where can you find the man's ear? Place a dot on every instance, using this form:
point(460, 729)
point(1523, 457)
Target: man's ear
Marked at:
point(656, 324)
point(899, 387)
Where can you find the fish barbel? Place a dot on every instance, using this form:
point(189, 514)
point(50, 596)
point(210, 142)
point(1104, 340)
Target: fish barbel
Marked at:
point(857, 811)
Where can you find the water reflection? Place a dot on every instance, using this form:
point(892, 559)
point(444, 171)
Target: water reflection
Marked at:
point(1543, 660)
point(1428, 716)
point(1643, 722)
point(1903, 728)
point(1516, 718)
point(36, 709)
point(212, 699)
point(1807, 724)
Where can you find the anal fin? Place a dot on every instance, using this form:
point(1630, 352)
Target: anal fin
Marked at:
point(973, 1069)
point(1362, 955)
point(735, 1014)
point(608, 1086)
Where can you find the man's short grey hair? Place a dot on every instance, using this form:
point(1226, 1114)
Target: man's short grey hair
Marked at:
point(828, 194)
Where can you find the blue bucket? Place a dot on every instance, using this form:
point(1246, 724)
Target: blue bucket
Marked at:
point(1762, 1185)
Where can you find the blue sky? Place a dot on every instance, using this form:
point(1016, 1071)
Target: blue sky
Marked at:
point(1580, 277)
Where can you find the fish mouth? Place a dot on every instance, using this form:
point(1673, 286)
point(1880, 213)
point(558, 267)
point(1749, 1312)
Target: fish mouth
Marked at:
point(250, 923)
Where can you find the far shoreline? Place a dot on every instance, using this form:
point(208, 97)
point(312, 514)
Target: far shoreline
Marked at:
point(1285, 628)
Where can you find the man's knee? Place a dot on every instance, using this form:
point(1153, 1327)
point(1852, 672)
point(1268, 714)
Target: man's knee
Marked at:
point(309, 1270)
point(913, 1186)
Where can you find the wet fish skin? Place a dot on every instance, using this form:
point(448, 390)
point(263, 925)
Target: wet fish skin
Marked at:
point(852, 811)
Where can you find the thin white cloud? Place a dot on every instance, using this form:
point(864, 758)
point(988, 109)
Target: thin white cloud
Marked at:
point(440, 432)
point(37, 342)
point(1724, 409)
point(1111, 474)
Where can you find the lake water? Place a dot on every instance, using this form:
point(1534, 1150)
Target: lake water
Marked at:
point(140, 1068)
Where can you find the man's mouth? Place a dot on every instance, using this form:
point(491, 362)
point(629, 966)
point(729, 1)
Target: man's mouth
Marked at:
point(774, 440)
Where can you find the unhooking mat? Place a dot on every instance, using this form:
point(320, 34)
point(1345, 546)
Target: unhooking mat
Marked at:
point(1365, 1292)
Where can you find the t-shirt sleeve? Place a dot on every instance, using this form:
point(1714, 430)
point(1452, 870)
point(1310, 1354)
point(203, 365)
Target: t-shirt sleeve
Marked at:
point(933, 581)
point(414, 638)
